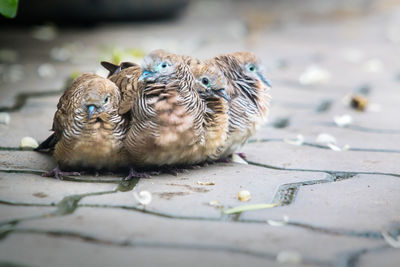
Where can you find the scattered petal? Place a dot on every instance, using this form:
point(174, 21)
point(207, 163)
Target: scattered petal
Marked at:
point(325, 138)
point(289, 256)
point(5, 118)
point(390, 240)
point(243, 208)
point(205, 183)
point(8, 55)
point(346, 147)
point(359, 102)
point(45, 33)
point(334, 147)
point(144, 197)
point(373, 65)
point(298, 141)
point(343, 121)
point(215, 203)
point(244, 195)
point(238, 159)
point(276, 223)
point(314, 75)
point(29, 142)
point(46, 70)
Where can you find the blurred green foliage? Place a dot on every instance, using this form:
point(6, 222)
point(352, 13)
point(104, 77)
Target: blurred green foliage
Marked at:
point(8, 8)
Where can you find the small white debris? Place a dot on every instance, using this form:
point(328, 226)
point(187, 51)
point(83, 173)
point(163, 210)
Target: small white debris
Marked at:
point(45, 33)
point(205, 183)
point(353, 55)
point(60, 53)
point(276, 223)
point(244, 195)
point(29, 142)
point(314, 75)
point(5, 118)
point(238, 159)
point(289, 256)
point(343, 120)
point(215, 203)
point(334, 147)
point(373, 65)
point(298, 141)
point(13, 73)
point(324, 138)
point(46, 70)
point(144, 197)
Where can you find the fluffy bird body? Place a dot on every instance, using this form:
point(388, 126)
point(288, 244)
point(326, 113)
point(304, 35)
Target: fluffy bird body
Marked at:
point(88, 131)
point(249, 92)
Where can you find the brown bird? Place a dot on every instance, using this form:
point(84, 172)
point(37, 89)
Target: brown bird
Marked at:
point(169, 112)
point(249, 93)
point(88, 131)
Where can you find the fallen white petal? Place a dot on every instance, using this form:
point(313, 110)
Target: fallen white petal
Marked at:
point(298, 141)
point(314, 75)
point(29, 142)
point(4, 118)
point(244, 195)
point(373, 65)
point(289, 256)
point(334, 147)
point(144, 197)
point(324, 138)
point(238, 159)
point(276, 223)
point(215, 203)
point(343, 121)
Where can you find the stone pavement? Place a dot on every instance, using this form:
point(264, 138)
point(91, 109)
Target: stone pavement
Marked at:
point(335, 208)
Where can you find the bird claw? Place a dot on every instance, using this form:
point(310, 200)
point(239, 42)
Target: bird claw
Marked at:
point(175, 170)
point(242, 155)
point(135, 174)
point(58, 174)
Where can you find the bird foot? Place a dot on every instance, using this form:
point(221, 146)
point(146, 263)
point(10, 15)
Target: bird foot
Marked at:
point(135, 174)
point(58, 174)
point(173, 170)
point(242, 155)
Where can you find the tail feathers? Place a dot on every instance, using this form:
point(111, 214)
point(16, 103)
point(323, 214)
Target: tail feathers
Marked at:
point(48, 144)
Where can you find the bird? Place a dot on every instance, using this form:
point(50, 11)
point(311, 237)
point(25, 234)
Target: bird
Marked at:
point(88, 130)
point(169, 112)
point(249, 93)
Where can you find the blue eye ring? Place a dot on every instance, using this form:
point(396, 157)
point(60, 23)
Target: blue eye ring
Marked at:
point(164, 65)
point(252, 68)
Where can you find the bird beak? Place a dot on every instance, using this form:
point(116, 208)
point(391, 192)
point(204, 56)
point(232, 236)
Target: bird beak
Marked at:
point(145, 76)
point(266, 81)
point(91, 109)
point(222, 93)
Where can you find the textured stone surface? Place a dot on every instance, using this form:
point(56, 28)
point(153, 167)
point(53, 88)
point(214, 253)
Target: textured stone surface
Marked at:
point(332, 205)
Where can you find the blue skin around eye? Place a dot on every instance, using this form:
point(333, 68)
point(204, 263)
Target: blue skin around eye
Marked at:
point(91, 109)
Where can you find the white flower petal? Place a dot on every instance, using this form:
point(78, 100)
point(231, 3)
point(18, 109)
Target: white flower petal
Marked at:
point(334, 147)
point(215, 203)
point(314, 75)
point(324, 138)
point(29, 142)
point(343, 120)
point(298, 141)
point(144, 197)
point(238, 159)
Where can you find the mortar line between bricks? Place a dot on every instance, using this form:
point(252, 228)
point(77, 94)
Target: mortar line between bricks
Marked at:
point(268, 140)
point(20, 99)
point(316, 170)
point(163, 245)
point(351, 258)
point(361, 128)
point(323, 230)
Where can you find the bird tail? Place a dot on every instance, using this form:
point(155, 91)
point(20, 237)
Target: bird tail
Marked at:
point(48, 144)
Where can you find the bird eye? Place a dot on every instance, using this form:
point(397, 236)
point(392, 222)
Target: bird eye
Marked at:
point(205, 81)
point(164, 65)
point(252, 67)
point(106, 99)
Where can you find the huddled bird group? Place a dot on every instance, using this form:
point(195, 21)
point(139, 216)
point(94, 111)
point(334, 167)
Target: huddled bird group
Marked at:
point(171, 111)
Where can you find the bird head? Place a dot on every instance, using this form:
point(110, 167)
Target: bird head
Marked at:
point(210, 79)
point(158, 66)
point(251, 67)
point(99, 97)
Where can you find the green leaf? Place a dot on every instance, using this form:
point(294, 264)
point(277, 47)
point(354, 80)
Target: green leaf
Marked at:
point(250, 207)
point(8, 8)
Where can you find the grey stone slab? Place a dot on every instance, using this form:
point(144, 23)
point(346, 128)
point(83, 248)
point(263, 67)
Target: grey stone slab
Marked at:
point(26, 160)
point(34, 189)
point(362, 203)
point(183, 196)
point(9, 213)
point(285, 155)
point(139, 227)
point(34, 250)
point(387, 257)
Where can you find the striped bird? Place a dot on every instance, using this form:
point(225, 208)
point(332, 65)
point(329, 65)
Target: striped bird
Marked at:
point(88, 130)
point(249, 93)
